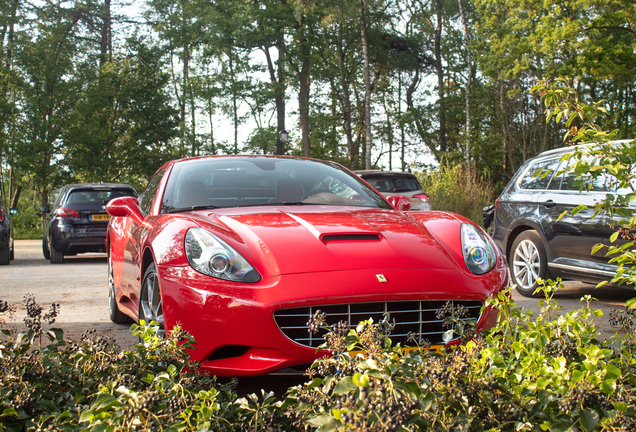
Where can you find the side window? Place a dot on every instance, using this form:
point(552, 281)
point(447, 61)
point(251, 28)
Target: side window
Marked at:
point(600, 184)
point(146, 198)
point(541, 182)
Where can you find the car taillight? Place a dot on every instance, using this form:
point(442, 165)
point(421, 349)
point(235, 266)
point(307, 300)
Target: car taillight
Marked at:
point(1, 215)
point(423, 196)
point(496, 203)
point(65, 212)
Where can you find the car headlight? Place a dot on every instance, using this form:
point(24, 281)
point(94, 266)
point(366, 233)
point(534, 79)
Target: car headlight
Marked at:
point(211, 256)
point(478, 252)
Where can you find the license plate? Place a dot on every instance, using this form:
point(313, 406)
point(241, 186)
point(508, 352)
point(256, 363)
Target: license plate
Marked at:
point(404, 351)
point(100, 217)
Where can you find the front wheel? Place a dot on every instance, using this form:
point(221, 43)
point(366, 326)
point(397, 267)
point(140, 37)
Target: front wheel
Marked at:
point(528, 263)
point(45, 247)
point(4, 256)
point(150, 305)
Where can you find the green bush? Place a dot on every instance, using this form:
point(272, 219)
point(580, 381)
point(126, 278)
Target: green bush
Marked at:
point(450, 190)
point(526, 374)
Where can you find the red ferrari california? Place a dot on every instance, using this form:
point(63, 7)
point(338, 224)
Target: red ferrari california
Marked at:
point(242, 250)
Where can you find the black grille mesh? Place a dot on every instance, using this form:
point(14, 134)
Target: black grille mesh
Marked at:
point(417, 317)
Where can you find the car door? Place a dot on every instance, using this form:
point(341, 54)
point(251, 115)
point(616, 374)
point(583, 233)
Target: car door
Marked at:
point(136, 231)
point(572, 237)
point(612, 225)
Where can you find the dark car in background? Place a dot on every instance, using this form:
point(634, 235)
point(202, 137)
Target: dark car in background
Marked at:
point(78, 220)
point(6, 234)
point(397, 183)
point(535, 242)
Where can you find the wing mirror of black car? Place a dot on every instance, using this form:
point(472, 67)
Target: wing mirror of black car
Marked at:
point(488, 213)
point(44, 208)
point(13, 211)
point(399, 202)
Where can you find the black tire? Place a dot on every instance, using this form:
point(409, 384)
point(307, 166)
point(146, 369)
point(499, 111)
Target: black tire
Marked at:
point(4, 256)
point(116, 315)
point(57, 257)
point(12, 252)
point(528, 262)
point(150, 306)
point(45, 247)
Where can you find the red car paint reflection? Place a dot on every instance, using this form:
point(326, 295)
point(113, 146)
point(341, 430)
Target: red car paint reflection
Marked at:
point(241, 250)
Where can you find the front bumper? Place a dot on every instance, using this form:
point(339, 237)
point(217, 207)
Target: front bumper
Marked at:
point(238, 319)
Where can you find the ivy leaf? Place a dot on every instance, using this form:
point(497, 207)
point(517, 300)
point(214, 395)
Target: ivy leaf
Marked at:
point(345, 385)
point(589, 419)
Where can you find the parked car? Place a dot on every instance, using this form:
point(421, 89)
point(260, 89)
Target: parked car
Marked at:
point(78, 220)
point(7, 247)
point(242, 251)
point(538, 245)
point(398, 183)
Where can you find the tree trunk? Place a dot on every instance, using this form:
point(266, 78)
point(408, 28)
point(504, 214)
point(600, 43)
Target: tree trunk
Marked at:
point(469, 80)
point(303, 104)
point(106, 36)
point(276, 78)
point(346, 102)
point(368, 141)
point(440, 76)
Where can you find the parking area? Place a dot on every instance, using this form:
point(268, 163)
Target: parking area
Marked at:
point(79, 285)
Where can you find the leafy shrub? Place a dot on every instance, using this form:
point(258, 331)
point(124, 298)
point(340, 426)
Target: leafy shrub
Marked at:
point(526, 374)
point(548, 373)
point(450, 190)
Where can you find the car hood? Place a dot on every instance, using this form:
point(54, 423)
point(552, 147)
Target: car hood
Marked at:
point(294, 240)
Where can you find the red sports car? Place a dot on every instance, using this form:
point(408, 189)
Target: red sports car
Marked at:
point(242, 250)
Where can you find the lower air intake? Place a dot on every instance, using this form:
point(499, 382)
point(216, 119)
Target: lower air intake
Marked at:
point(418, 318)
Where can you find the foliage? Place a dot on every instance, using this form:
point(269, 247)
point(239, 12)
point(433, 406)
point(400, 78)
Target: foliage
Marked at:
point(526, 374)
point(92, 384)
point(450, 190)
point(598, 162)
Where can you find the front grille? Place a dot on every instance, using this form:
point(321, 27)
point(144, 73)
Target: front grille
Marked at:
point(416, 317)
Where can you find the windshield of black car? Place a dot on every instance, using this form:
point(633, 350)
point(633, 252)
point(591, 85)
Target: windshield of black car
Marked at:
point(384, 183)
point(253, 181)
point(94, 198)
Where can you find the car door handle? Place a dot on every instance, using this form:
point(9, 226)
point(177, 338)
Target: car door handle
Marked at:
point(549, 203)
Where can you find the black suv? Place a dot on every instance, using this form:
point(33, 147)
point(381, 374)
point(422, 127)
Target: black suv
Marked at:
point(6, 234)
point(535, 244)
point(78, 220)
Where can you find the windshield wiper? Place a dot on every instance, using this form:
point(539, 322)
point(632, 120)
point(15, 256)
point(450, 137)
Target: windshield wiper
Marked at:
point(193, 208)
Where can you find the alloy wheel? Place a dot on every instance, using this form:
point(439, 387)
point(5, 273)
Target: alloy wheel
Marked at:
point(526, 264)
point(151, 308)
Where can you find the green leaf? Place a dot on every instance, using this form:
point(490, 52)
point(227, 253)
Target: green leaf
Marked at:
point(614, 236)
point(345, 385)
point(361, 380)
point(589, 419)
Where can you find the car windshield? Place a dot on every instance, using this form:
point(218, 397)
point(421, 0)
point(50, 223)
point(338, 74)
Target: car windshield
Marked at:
point(255, 181)
point(385, 183)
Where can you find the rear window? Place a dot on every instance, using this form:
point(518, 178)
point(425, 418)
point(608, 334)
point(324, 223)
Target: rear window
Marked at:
point(96, 196)
point(393, 184)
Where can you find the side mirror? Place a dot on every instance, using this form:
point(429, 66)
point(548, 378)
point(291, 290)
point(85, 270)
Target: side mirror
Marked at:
point(399, 202)
point(13, 211)
point(124, 206)
point(44, 208)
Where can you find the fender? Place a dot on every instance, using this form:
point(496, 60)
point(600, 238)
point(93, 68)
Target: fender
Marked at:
point(526, 224)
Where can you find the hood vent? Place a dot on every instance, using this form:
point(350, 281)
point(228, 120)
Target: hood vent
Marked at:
point(345, 237)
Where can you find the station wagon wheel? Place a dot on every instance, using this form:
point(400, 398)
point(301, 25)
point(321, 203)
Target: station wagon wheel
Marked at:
point(528, 263)
point(56, 257)
point(150, 305)
point(116, 316)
